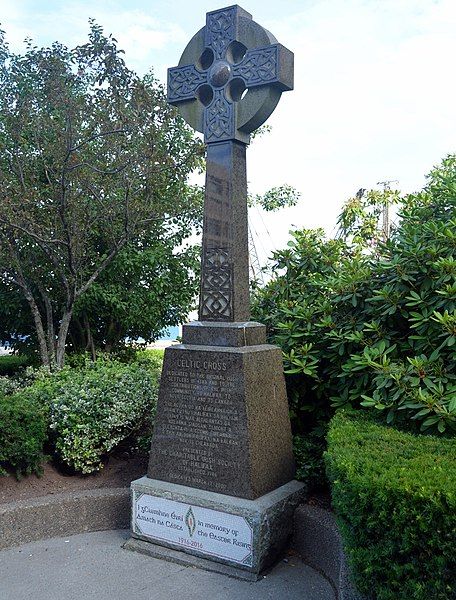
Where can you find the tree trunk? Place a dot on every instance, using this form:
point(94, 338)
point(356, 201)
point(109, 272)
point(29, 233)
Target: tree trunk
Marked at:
point(50, 324)
point(90, 343)
point(62, 337)
point(44, 350)
point(77, 334)
point(114, 335)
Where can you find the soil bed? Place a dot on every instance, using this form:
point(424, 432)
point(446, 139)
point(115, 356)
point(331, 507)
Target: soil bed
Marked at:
point(118, 472)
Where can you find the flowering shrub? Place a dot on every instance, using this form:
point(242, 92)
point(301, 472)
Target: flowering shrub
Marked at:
point(95, 408)
point(8, 386)
point(91, 414)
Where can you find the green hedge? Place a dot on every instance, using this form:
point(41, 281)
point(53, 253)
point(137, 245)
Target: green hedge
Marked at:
point(395, 497)
point(10, 364)
point(23, 427)
point(308, 451)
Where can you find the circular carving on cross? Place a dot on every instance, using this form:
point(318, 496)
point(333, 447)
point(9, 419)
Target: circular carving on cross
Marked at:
point(230, 49)
point(220, 73)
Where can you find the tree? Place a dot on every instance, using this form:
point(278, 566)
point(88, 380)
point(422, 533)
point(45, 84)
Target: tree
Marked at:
point(372, 329)
point(150, 285)
point(92, 160)
point(360, 221)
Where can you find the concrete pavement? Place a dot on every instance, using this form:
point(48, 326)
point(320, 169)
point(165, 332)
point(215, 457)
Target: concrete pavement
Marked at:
point(93, 566)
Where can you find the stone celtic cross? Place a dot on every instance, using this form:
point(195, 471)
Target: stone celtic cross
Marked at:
point(228, 82)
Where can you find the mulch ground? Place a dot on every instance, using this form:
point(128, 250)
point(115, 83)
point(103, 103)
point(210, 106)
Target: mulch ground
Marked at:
point(118, 472)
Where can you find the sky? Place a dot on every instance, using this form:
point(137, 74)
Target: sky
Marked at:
point(374, 97)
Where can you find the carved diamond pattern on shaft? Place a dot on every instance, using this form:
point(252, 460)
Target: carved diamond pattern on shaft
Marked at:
point(216, 285)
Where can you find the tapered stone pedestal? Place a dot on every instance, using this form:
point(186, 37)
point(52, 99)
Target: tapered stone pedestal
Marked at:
point(222, 419)
point(219, 484)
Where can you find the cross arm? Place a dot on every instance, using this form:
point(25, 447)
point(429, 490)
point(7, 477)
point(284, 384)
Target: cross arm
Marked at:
point(265, 66)
point(183, 83)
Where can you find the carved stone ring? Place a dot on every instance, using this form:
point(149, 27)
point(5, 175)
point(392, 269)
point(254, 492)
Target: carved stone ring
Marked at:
point(230, 76)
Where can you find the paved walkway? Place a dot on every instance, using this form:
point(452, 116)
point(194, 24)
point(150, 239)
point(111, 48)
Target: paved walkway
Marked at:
point(93, 566)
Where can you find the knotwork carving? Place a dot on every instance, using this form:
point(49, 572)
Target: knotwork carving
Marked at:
point(203, 87)
point(220, 31)
point(216, 285)
point(219, 118)
point(183, 82)
point(258, 67)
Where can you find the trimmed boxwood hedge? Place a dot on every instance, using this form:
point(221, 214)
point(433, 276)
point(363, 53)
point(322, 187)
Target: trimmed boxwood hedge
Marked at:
point(394, 494)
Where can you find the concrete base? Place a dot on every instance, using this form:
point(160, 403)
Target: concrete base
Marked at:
point(187, 560)
point(318, 541)
point(64, 514)
point(262, 527)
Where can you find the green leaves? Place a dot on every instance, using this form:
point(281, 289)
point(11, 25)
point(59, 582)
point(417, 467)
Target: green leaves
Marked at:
point(375, 329)
point(394, 494)
point(95, 407)
point(23, 432)
point(276, 198)
point(92, 159)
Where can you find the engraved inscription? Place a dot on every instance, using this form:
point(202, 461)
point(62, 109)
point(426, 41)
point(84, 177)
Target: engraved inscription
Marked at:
point(197, 434)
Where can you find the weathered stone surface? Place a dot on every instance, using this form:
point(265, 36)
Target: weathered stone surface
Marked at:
point(228, 82)
point(222, 420)
point(224, 292)
point(203, 333)
point(270, 518)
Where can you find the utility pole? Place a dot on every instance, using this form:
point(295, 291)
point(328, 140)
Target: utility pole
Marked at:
point(386, 221)
point(254, 261)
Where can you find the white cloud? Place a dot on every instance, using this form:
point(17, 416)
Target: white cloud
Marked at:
point(137, 31)
point(374, 99)
point(374, 90)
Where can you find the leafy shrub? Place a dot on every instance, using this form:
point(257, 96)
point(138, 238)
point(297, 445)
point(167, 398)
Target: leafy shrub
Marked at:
point(395, 496)
point(10, 364)
point(8, 386)
point(94, 409)
point(372, 328)
point(151, 358)
point(23, 427)
point(310, 466)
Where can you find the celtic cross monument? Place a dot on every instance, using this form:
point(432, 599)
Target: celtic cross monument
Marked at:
point(228, 82)
point(219, 490)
